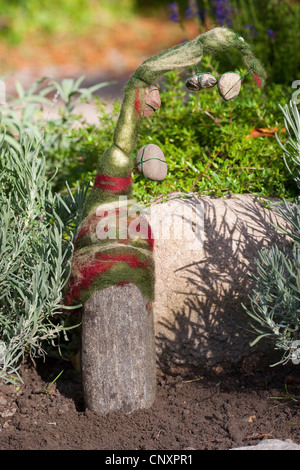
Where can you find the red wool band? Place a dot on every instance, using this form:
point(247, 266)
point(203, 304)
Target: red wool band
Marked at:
point(112, 184)
point(142, 228)
point(101, 264)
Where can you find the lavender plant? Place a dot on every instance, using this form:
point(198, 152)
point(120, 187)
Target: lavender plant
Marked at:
point(291, 150)
point(38, 226)
point(223, 12)
point(272, 29)
point(36, 242)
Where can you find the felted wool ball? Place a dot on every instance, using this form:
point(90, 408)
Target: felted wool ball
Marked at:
point(152, 101)
point(229, 85)
point(151, 162)
point(200, 80)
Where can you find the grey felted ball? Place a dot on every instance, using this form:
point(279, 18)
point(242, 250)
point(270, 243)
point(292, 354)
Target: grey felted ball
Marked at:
point(151, 162)
point(200, 80)
point(229, 85)
point(152, 101)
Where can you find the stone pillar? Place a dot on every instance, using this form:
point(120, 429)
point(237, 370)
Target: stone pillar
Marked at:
point(118, 359)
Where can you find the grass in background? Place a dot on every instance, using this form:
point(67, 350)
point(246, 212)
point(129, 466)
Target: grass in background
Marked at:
point(20, 18)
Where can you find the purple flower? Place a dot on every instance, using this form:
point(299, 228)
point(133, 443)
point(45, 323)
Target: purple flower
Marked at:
point(251, 29)
point(223, 11)
point(174, 12)
point(272, 34)
point(193, 11)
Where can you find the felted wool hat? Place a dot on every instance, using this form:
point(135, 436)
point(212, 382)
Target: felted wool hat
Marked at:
point(100, 262)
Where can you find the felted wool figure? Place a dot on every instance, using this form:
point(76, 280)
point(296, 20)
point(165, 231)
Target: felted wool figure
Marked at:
point(100, 262)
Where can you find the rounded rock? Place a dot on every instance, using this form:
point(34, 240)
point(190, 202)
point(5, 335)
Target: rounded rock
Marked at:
point(152, 101)
point(200, 80)
point(229, 85)
point(151, 162)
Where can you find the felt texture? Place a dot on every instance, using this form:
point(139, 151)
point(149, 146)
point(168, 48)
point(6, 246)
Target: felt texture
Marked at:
point(100, 262)
point(124, 256)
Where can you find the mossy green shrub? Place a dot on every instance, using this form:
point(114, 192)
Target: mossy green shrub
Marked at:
point(208, 145)
point(206, 141)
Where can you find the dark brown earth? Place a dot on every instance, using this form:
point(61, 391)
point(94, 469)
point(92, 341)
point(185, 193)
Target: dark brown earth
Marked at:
point(203, 410)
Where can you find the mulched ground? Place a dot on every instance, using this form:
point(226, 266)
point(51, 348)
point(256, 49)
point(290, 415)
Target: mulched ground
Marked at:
point(203, 410)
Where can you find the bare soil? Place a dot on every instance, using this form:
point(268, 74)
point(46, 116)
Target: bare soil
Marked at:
point(201, 410)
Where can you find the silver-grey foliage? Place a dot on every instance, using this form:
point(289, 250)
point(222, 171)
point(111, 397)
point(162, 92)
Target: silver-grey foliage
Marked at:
point(275, 302)
point(38, 227)
point(37, 232)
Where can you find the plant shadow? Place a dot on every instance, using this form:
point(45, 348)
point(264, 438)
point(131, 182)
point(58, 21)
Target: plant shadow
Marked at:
point(211, 326)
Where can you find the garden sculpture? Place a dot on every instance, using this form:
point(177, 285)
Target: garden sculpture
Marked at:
point(113, 276)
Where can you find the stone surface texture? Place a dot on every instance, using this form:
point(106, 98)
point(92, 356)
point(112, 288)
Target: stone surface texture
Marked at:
point(229, 85)
point(152, 100)
point(271, 444)
point(199, 81)
point(118, 351)
point(151, 162)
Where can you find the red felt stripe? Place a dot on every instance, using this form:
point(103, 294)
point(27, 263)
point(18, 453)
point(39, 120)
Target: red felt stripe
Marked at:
point(137, 103)
point(112, 184)
point(257, 80)
point(88, 273)
point(100, 265)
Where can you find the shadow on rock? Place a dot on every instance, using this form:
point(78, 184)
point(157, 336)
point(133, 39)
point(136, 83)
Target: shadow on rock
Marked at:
point(200, 320)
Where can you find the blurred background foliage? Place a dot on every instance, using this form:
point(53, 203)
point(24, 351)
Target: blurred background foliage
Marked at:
point(20, 17)
point(271, 26)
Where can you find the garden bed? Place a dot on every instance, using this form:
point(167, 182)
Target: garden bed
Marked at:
point(216, 409)
point(213, 406)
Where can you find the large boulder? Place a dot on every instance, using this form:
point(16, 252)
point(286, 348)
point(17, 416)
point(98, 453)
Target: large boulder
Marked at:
point(201, 284)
